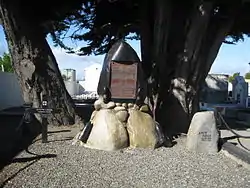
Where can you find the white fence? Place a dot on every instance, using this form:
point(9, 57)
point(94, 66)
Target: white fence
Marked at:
point(10, 91)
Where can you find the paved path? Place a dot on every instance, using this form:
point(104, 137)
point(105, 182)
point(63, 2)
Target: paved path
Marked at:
point(59, 164)
point(242, 143)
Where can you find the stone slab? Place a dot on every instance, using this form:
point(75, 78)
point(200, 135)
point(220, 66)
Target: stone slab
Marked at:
point(203, 135)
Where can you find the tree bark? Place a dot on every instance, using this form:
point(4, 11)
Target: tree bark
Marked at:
point(183, 101)
point(167, 43)
point(205, 34)
point(186, 40)
point(34, 62)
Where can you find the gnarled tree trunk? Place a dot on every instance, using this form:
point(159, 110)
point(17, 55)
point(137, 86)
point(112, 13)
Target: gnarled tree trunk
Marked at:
point(186, 40)
point(34, 62)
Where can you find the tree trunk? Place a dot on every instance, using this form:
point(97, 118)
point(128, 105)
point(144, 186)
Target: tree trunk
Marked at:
point(34, 62)
point(167, 43)
point(186, 40)
point(203, 39)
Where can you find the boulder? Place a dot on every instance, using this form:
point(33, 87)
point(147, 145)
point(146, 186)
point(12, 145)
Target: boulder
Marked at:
point(160, 135)
point(125, 105)
point(130, 105)
point(144, 108)
point(122, 115)
point(119, 108)
point(136, 107)
point(118, 104)
point(93, 115)
point(98, 104)
point(109, 105)
point(76, 140)
point(141, 129)
point(203, 135)
point(108, 133)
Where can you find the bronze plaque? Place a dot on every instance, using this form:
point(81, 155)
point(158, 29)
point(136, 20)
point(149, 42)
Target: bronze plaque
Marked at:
point(123, 80)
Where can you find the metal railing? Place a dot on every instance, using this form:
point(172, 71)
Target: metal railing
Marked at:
point(44, 111)
point(221, 119)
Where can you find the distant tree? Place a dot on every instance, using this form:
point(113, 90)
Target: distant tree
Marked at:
point(247, 75)
point(231, 78)
point(5, 61)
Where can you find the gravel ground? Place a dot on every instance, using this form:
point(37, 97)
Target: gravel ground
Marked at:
point(62, 165)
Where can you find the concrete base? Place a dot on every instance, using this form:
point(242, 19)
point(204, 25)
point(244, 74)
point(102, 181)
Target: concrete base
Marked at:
point(239, 155)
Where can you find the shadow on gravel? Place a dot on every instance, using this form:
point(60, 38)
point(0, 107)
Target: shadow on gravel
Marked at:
point(61, 131)
point(27, 159)
point(230, 138)
point(32, 160)
point(222, 141)
point(51, 141)
point(61, 140)
point(15, 174)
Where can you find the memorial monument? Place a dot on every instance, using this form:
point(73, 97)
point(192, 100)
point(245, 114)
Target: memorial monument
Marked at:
point(240, 90)
point(122, 74)
point(121, 118)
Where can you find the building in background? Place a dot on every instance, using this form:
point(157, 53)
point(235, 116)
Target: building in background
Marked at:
point(240, 90)
point(248, 81)
point(81, 87)
point(69, 77)
point(91, 77)
point(215, 89)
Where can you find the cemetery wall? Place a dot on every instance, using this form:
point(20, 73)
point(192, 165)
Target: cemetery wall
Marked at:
point(10, 91)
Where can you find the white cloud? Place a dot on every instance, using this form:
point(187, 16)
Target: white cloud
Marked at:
point(73, 61)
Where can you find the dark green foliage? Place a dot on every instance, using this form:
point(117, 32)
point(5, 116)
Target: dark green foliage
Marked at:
point(231, 78)
point(101, 24)
point(5, 62)
point(247, 75)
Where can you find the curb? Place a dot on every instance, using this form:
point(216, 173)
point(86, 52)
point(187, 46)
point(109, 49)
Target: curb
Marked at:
point(237, 154)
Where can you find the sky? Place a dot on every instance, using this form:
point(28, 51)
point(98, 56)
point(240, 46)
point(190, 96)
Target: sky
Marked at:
point(230, 59)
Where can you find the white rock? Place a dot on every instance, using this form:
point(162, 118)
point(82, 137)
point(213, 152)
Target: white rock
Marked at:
point(119, 108)
point(118, 104)
point(203, 135)
point(98, 104)
point(108, 133)
point(125, 105)
point(93, 116)
point(141, 129)
point(130, 105)
point(144, 108)
point(136, 107)
point(122, 115)
point(110, 105)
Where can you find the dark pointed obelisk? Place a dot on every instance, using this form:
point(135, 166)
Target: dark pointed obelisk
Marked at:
point(121, 53)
